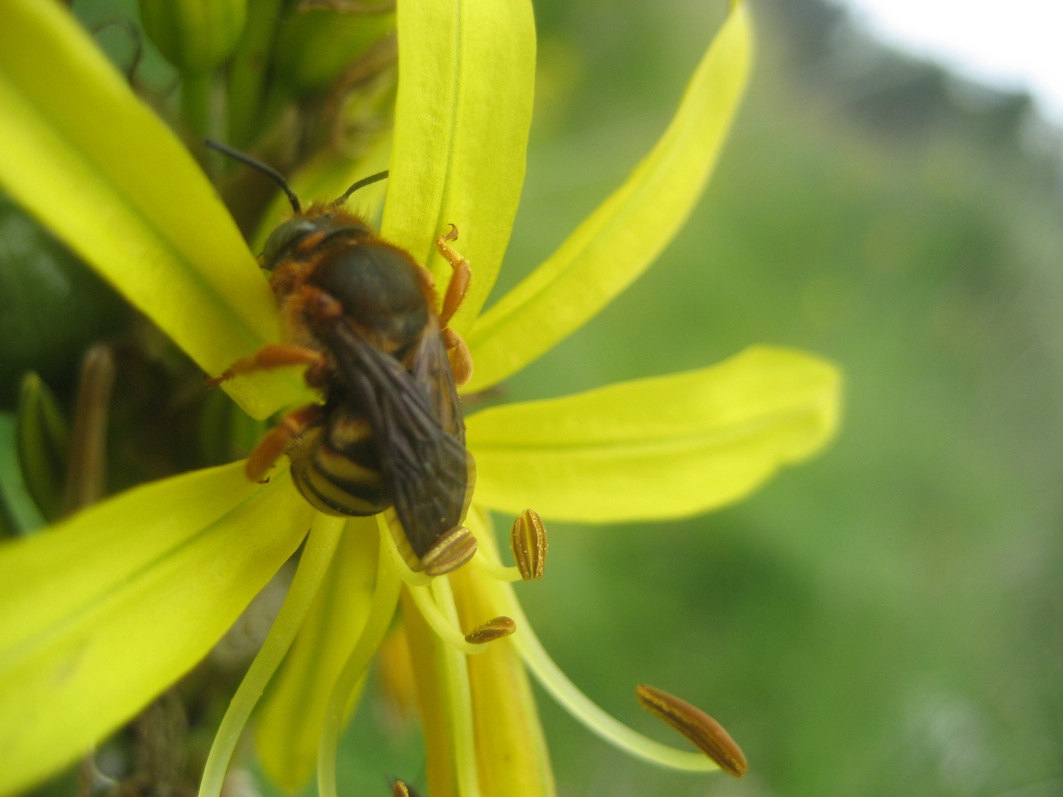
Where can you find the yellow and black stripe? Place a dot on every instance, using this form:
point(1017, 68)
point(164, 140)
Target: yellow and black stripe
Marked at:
point(337, 469)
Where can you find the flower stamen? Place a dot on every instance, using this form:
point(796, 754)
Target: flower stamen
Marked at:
point(493, 629)
point(450, 552)
point(438, 622)
point(458, 695)
point(707, 734)
point(582, 708)
point(528, 542)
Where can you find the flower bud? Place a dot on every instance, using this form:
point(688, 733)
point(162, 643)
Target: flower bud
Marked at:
point(195, 36)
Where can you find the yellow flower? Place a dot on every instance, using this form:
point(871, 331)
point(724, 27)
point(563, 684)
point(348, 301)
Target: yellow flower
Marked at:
point(104, 611)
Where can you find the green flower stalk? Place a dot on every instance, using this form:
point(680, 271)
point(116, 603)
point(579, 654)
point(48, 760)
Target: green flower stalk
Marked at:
point(105, 610)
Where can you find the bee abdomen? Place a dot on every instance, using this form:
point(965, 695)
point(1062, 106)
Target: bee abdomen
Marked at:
point(339, 471)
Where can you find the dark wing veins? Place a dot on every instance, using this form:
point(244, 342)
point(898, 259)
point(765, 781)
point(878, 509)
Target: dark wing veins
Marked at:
point(424, 463)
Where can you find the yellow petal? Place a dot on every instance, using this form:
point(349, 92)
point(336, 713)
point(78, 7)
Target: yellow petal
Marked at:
point(466, 80)
point(511, 750)
point(617, 242)
point(288, 730)
point(103, 612)
point(428, 650)
point(100, 170)
point(656, 448)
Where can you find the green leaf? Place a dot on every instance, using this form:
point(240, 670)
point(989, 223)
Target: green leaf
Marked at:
point(466, 82)
point(101, 613)
point(292, 714)
point(665, 447)
point(97, 167)
point(623, 236)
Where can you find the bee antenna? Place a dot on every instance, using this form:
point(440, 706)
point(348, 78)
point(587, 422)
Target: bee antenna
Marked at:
point(373, 178)
point(269, 171)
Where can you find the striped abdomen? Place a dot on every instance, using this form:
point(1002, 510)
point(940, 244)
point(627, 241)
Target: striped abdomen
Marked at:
point(336, 466)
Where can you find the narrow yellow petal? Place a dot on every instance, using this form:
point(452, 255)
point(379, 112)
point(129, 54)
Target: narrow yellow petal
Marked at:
point(656, 448)
point(100, 170)
point(292, 714)
point(428, 650)
point(104, 611)
point(314, 561)
point(617, 242)
point(466, 80)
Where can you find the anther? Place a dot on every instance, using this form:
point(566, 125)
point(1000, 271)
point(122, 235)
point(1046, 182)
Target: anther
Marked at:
point(491, 630)
point(450, 552)
point(527, 541)
point(701, 729)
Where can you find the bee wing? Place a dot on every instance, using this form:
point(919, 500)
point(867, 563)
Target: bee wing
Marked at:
point(419, 433)
point(431, 367)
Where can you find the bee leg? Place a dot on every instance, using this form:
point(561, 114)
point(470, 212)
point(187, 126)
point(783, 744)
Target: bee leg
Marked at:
point(457, 351)
point(276, 442)
point(458, 355)
point(272, 355)
point(459, 280)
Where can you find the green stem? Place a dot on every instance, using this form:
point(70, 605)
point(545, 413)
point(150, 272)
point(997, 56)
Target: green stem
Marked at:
point(197, 98)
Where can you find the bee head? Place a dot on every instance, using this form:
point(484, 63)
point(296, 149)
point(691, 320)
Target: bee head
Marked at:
point(283, 240)
point(309, 234)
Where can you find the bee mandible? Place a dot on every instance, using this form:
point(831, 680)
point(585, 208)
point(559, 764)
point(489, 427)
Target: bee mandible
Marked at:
point(360, 314)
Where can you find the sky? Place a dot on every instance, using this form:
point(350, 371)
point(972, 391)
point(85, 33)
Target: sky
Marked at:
point(1012, 45)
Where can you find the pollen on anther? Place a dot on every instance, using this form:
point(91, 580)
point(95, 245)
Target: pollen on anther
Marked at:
point(707, 734)
point(491, 630)
point(527, 541)
point(450, 552)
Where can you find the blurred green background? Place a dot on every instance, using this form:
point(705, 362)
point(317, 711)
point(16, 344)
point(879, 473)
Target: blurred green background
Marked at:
point(887, 618)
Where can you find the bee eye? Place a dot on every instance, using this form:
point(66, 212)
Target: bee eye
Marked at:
point(281, 241)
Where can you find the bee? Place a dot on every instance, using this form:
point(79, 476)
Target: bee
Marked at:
point(360, 314)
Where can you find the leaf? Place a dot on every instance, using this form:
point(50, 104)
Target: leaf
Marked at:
point(101, 613)
point(624, 235)
point(657, 448)
point(99, 169)
point(466, 83)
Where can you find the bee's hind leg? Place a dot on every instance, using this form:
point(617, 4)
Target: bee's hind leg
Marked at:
point(276, 442)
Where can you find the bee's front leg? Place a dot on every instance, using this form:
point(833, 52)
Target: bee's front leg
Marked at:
point(273, 355)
